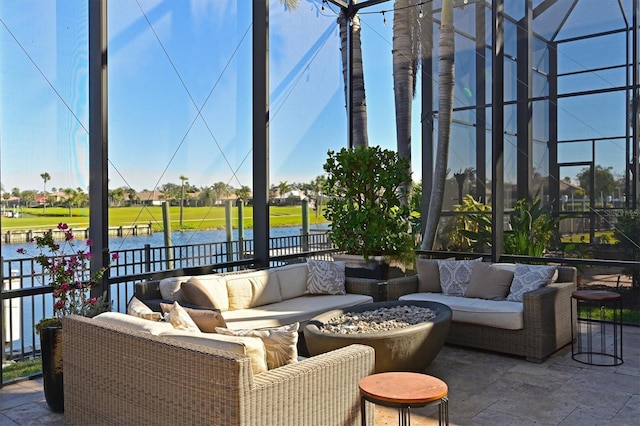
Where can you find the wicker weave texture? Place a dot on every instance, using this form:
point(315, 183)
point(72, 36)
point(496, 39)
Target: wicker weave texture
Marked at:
point(120, 377)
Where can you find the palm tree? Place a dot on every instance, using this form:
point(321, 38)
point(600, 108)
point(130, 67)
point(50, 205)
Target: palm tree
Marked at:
point(183, 179)
point(220, 189)
point(445, 108)
point(283, 188)
point(360, 136)
point(45, 177)
point(407, 41)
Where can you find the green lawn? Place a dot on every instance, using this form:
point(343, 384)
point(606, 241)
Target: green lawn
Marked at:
point(21, 369)
point(193, 217)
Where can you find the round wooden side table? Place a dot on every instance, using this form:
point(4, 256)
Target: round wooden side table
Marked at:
point(598, 340)
point(404, 390)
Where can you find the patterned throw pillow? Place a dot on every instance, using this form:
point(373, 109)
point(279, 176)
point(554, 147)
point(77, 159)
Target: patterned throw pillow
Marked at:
point(180, 319)
point(138, 309)
point(455, 275)
point(325, 277)
point(280, 343)
point(528, 278)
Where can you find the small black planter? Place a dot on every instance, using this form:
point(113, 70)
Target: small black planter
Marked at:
point(51, 346)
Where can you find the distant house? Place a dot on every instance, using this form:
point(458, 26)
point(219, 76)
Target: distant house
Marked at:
point(150, 198)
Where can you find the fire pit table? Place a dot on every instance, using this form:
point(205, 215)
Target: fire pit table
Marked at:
point(398, 348)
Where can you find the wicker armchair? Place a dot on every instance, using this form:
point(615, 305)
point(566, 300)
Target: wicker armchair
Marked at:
point(118, 376)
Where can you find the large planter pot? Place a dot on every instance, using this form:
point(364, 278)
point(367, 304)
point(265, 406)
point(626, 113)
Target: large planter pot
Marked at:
point(410, 348)
point(375, 267)
point(51, 346)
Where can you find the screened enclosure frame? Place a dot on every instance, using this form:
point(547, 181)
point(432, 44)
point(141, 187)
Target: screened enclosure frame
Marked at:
point(491, 147)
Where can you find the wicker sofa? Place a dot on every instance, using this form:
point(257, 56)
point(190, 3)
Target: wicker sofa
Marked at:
point(544, 316)
point(116, 375)
point(258, 299)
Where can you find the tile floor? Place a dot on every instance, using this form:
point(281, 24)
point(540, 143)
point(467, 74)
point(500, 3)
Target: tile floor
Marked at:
point(484, 389)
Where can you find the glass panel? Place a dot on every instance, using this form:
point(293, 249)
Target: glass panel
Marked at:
point(591, 17)
point(307, 96)
point(574, 152)
point(180, 108)
point(541, 120)
point(44, 115)
point(593, 80)
point(583, 117)
point(465, 72)
point(592, 53)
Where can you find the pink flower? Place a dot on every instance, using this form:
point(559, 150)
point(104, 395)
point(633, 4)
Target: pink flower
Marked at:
point(89, 242)
point(62, 226)
point(115, 256)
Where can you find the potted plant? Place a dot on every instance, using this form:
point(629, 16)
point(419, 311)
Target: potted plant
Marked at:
point(627, 234)
point(367, 210)
point(67, 270)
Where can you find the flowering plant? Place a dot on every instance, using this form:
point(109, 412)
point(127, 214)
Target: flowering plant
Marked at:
point(68, 269)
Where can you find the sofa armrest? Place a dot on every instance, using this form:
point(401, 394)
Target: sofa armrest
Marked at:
point(400, 286)
point(145, 290)
point(314, 390)
point(366, 286)
point(547, 319)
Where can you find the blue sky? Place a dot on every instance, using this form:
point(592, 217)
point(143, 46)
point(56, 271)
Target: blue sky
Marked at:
point(180, 92)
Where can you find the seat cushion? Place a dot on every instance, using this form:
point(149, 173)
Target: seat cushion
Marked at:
point(244, 345)
point(299, 309)
point(491, 313)
point(131, 322)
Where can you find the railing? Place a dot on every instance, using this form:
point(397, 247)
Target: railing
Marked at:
point(25, 301)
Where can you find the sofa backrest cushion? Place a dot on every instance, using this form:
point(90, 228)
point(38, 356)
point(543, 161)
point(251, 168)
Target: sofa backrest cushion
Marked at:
point(489, 282)
point(292, 279)
point(252, 289)
point(455, 275)
point(528, 278)
point(133, 323)
point(249, 346)
point(208, 291)
point(170, 288)
point(428, 276)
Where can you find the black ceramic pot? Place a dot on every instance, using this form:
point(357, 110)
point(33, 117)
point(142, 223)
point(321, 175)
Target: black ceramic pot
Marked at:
point(51, 346)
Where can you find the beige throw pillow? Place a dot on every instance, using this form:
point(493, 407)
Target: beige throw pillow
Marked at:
point(280, 343)
point(195, 293)
point(325, 277)
point(489, 282)
point(206, 319)
point(138, 309)
point(180, 319)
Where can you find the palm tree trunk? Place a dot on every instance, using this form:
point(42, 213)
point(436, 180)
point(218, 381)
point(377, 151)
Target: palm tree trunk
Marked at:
point(404, 64)
point(445, 112)
point(359, 102)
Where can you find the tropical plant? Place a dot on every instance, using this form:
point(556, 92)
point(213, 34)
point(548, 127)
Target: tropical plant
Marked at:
point(469, 231)
point(445, 111)
point(67, 270)
point(533, 229)
point(45, 177)
point(627, 233)
point(367, 217)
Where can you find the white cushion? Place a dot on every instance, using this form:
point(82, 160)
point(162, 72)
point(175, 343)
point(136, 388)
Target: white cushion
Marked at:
point(455, 275)
point(528, 278)
point(133, 323)
point(251, 289)
point(292, 279)
point(280, 342)
point(249, 346)
point(299, 309)
point(492, 313)
point(138, 309)
point(170, 288)
point(180, 319)
point(325, 277)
